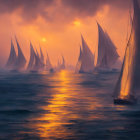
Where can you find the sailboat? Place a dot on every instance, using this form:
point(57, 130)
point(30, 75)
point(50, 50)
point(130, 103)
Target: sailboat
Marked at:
point(32, 58)
point(49, 66)
point(129, 78)
point(86, 59)
point(41, 56)
point(12, 57)
point(20, 60)
point(107, 54)
point(39, 65)
point(61, 65)
point(78, 65)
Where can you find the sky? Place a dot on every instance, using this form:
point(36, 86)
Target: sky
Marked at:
point(57, 25)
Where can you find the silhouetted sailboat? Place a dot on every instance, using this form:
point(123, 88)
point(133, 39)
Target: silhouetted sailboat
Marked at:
point(38, 66)
point(107, 54)
point(12, 58)
point(60, 65)
point(32, 58)
point(20, 60)
point(86, 59)
point(78, 65)
point(129, 80)
point(48, 64)
point(41, 56)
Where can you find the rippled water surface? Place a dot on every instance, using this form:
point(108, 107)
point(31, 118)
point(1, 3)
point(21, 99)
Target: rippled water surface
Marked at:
point(64, 106)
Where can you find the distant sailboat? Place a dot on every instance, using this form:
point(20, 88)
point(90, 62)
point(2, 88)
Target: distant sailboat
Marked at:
point(78, 65)
point(20, 60)
point(48, 64)
point(61, 65)
point(107, 54)
point(32, 58)
point(12, 58)
point(129, 80)
point(41, 56)
point(86, 59)
point(38, 66)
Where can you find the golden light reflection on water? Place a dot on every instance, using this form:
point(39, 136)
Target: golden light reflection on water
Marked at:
point(57, 116)
point(127, 76)
point(66, 104)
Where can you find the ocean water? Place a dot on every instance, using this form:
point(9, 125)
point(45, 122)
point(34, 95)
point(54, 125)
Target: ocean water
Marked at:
point(64, 106)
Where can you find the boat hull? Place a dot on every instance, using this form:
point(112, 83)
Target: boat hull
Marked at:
point(119, 101)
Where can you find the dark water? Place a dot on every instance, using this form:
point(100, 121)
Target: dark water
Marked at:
point(64, 106)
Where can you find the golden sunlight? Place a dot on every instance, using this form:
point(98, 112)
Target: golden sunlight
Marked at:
point(43, 39)
point(77, 23)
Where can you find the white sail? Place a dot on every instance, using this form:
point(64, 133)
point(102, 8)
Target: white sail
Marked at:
point(107, 54)
point(86, 58)
point(32, 58)
point(12, 57)
point(20, 61)
point(48, 63)
point(129, 79)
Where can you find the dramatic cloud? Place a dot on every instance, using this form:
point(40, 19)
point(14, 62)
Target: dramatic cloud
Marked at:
point(31, 9)
point(90, 7)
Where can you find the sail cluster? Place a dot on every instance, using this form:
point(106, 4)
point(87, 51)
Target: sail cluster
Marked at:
point(36, 61)
point(107, 54)
point(16, 61)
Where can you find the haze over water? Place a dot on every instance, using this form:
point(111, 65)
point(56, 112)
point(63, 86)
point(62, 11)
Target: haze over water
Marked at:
point(64, 106)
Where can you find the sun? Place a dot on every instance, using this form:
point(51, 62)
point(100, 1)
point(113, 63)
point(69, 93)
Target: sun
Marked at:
point(77, 23)
point(43, 39)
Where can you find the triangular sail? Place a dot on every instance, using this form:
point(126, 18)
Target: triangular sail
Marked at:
point(41, 56)
point(130, 74)
point(20, 61)
point(106, 50)
point(48, 63)
point(12, 57)
point(78, 65)
point(32, 58)
point(63, 63)
point(39, 65)
point(87, 58)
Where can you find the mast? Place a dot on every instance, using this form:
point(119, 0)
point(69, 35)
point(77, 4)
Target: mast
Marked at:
point(12, 57)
